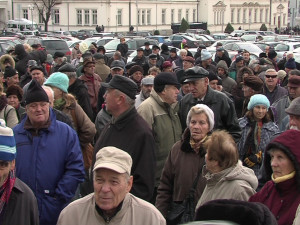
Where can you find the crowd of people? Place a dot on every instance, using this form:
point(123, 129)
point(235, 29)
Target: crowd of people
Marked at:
point(100, 140)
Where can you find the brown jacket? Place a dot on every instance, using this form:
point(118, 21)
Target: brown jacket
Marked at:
point(179, 173)
point(101, 69)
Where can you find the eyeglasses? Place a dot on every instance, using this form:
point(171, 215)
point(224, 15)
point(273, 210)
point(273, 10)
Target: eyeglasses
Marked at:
point(271, 76)
point(4, 164)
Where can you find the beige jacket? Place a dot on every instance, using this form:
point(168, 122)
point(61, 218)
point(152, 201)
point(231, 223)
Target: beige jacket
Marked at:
point(134, 211)
point(9, 115)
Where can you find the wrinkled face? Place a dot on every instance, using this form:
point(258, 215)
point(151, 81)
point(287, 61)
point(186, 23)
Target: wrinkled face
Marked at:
point(248, 92)
point(5, 167)
point(13, 101)
point(271, 79)
point(246, 56)
point(185, 88)
point(146, 89)
point(38, 113)
point(137, 76)
point(140, 53)
point(89, 69)
point(280, 163)
point(14, 80)
point(294, 122)
point(198, 88)
point(294, 92)
point(38, 76)
point(169, 94)
point(199, 126)
point(213, 84)
point(111, 98)
point(110, 189)
point(153, 61)
point(221, 71)
point(259, 112)
point(187, 65)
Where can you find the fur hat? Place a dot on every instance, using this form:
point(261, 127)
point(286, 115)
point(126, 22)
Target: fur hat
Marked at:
point(58, 80)
point(15, 90)
point(253, 82)
point(294, 107)
point(135, 69)
point(5, 58)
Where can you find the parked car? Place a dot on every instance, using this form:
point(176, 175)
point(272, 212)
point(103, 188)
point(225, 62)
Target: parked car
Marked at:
point(3, 47)
point(212, 48)
point(62, 33)
point(297, 54)
point(220, 36)
point(263, 45)
point(14, 40)
point(52, 45)
point(237, 33)
point(159, 38)
point(99, 41)
point(12, 34)
point(102, 34)
point(73, 33)
point(30, 33)
point(234, 47)
point(176, 40)
point(286, 47)
point(251, 37)
point(84, 34)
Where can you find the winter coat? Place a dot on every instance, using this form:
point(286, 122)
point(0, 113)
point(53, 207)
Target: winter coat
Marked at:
point(9, 115)
point(22, 58)
point(131, 133)
point(123, 49)
point(237, 182)
point(227, 82)
point(139, 99)
point(80, 91)
point(278, 108)
point(223, 108)
point(134, 211)
point(225, 58)
point(25, 79)
point(276, 94)
point(22, 206)
point(50, 163)
point(140, 61)
point(101, 69)
point(179, 173)
point(165, 54)
point(163, 119)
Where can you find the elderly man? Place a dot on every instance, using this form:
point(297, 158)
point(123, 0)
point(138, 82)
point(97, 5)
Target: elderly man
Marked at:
point(220, 104)
point(111, 202)
point(140, 59)
point(160, 112)
point(152, 62)
point(146, 87)
point(292, 120)
point(129, 131)
point(221, 55)
point(11, 76)
point(18, 204)
point(49, 158)
point(272, 89)
point(59, 60)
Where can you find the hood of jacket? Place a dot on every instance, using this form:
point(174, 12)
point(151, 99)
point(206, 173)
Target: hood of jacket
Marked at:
point(223, 64)
point(4, 58)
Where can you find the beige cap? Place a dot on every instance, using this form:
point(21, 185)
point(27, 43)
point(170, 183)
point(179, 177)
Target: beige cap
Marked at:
point(114, 159)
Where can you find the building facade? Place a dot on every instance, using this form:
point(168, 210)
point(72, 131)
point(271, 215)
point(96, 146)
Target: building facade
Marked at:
point(150, 15)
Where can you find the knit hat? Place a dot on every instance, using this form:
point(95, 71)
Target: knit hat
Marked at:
point(281, 74)
point(290, 64)
point(58, 80)
point(166, 64)
point(212, 76)
point(294, 107)
point(272, 54)
point(165, 78)
point(58, 55)
point(49, 59)
point(253, 82)
point(10, 72)
point(7, 143)
point(258, 99)
point(209, 113)
point(205, 54)
point(15, 90)
point(37, 68)
point(83, 47)
point(135, 69)
point(35, 93)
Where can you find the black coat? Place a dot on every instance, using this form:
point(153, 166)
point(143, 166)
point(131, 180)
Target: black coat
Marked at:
point(22, 58)
point(123, 49)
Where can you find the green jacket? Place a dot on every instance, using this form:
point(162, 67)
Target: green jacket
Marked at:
point(165, 124)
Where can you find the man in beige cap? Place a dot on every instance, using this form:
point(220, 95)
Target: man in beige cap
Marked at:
point(111, 203)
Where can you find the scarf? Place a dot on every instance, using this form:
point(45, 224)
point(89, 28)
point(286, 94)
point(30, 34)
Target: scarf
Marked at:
point(197, 145)
point(6, 189)
point(283, 178)
point(59, 104)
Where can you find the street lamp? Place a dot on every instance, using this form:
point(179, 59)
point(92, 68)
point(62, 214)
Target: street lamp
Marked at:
point(31, 8)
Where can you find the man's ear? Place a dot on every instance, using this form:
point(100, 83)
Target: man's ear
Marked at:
point(130, 183)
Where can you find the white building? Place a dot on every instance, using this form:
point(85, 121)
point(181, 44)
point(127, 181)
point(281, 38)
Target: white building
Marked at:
point(118, 15)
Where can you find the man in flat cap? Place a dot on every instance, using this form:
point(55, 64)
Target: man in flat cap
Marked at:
point(160, 59)
point(292, 120)
point(111, 202)
point(220, 104)
point(127, 130)
point(140, 59)
point(146, 88)
point(59, 60)
point(151, 62)
point(147, 50)
point(221, 55)
point(49, 158)
point(160, 112)
point(11, 76)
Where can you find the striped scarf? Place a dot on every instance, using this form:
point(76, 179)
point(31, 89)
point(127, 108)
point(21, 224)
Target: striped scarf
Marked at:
point(6, 189)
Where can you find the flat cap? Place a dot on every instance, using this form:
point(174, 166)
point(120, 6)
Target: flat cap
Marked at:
point(58, 54)
point(294, 107)
point(195, 73)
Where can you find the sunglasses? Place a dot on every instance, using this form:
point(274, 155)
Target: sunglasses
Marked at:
point(4, 164)
point(271, 76)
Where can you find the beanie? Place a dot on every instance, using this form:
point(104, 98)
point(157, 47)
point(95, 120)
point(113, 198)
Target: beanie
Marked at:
point(135, 69)
point(7, 143)
point(205, 54)
point(15, 90)
point(290, 64)
point(165, 78)
point(35, 93)
point(10, 72)
point(209, 113)
point(58, 80)
point(258, 99)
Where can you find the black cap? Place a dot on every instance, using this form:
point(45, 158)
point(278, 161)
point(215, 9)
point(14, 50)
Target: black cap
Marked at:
point(155, 47)
point(117, 64)
point(165, 78)
point(147, 43)
point(195, 73)
point(10, 72)
point(239, 58)
point(123, 84)
point(173, 50)
point(37, 68)
point(202, 46)
point(212, 76)
point(130, 64)
point(58, 54)
point(67, 68)
point(35, 93)
point(152, 56)
point(140, 49)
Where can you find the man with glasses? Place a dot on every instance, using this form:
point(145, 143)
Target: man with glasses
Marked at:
point(272, 89)
point(17, 202)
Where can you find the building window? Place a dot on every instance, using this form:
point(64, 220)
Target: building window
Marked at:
point(194, 15)
point(284, 15)
point(261, 15)
point(215, 18)
point(56, 16)
point(95, 17)
point(86, 17)
point(149, 16)
point(250, 15)
point(187, 15)
point(255, 15)
point(179, 15)
point(8, 14)
point(143, 17)
point(163, 16)
point(25, 14)
point(79, 17)
point(119, 17)
point(41, 18)
point(244, 15)
point(274, 22)
point(172, 15)
point(267, 16)
point(238, 16)
point(232, 15)
point(138, 17)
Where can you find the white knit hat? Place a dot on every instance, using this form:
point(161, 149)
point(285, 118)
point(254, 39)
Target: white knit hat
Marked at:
point(7, 143)
point(209, 113)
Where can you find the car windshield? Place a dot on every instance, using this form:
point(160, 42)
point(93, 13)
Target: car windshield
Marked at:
point(54, 44)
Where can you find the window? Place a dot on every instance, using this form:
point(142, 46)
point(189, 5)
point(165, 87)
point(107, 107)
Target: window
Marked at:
point(250, 15)
point(56, 16)
point(163, 16)
point(86, 17)
point(119, 17)
point(187, 15)
point(261, 15)
point(244, 15)
point(40, 18)
point(255, 15)
point(95, 17)
point(215, 17)
point(179, 15)
point(79, 16)
point(8, 14)
point(172, 15)
point(25, 14)
point(194, 15)
point(218, 17)
point(284, 18)
point(238, 16)
point(232, 15)
point(149, 16)
point(267, 16)
point(139, 16)
point(143, 17)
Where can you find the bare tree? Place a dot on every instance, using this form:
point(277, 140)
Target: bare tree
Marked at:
point(44, 8)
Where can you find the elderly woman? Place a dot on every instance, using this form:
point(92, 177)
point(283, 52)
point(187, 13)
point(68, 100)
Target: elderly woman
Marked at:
point(185, 160)
point(282, 164)
point(226, 177)
point(257, 131)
